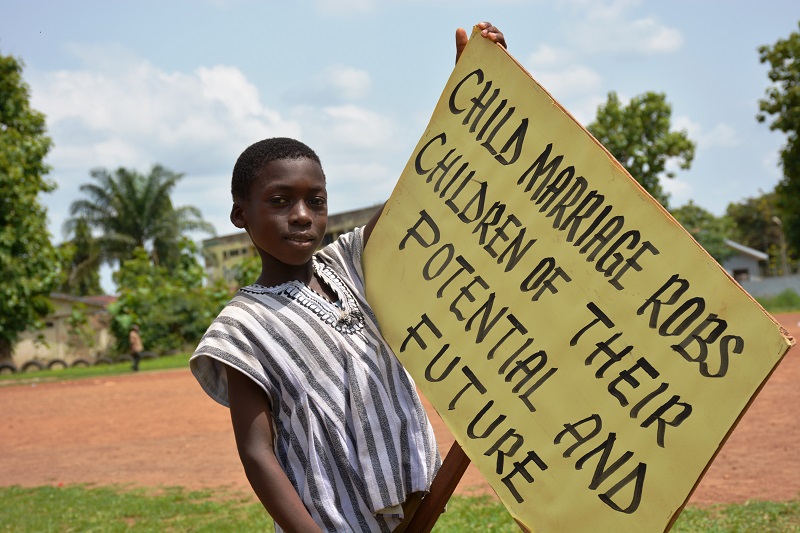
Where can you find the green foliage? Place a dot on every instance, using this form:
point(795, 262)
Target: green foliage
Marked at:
point(171, 306)
point(80, 263)
point(781, 103)
point(81, 333)
point(28, 260)
point(753, 221)
point(638, 136)
point(247, 270)
point(759, 224)
point(710, 231)
point(786, 302)
point(130, 210)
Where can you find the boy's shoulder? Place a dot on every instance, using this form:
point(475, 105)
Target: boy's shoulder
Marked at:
point(349, 243)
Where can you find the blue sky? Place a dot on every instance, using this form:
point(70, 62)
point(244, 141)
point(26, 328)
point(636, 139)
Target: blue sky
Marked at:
point(189, 84)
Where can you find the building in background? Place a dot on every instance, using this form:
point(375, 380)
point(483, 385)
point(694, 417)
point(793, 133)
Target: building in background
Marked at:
point(223, 253)
point(76, 331)
point(747, 264)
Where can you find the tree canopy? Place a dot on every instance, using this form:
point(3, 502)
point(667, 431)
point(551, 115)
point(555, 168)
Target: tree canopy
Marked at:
point(80, 263)
point(708, 230)
point(28, 260)
point(754, 223)
point(781, 104)
point(639, 136)
point(128, 210)
point(173, 308)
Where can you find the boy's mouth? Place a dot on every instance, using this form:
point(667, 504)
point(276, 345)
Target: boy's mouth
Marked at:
point(301, 237)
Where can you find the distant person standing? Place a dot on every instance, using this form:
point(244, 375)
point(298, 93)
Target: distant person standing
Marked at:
point(137, 347)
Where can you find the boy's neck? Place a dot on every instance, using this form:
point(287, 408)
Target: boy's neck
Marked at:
point(273, 274)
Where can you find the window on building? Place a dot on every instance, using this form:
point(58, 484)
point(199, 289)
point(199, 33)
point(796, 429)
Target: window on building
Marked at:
point(741, 274)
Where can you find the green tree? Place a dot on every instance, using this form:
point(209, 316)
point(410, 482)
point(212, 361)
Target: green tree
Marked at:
point(28, 260)
point(781, 103)
point(247, 270)
point(753, 220)
point(638, 136)
point(80, 263)
point(172, 308)
point(710, 231)
point(129, 210)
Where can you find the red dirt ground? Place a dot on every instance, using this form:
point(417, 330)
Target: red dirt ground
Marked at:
point(160, 429)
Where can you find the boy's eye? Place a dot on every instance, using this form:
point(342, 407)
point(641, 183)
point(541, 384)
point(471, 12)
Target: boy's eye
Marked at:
point(317, 201)
point(277, 200)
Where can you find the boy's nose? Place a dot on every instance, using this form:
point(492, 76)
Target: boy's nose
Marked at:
point(300, 214)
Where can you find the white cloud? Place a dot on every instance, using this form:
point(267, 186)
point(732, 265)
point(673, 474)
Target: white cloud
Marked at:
point(573, 80)
point(335, 85)
point(693, 129)
point(771, 163)
point(120, 110)
point(680, 191)
point(610, 27)
point(721, 135)
point(345, 127)
point(584, 109)
point(124, 111)
point(348, 82)
point(575, 86)
point(354, 185)
point(548, 56)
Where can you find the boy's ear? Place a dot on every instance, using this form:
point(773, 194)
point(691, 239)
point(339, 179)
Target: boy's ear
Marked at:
point(237, 216)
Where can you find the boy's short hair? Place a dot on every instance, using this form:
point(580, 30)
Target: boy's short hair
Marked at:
point(259, 154)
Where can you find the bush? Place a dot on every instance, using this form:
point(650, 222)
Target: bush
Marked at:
point(785, 302)
point(172, 307)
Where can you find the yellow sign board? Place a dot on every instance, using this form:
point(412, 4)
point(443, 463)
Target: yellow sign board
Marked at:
point(588, 355)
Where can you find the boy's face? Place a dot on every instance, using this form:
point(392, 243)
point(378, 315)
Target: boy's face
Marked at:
point(287, 212)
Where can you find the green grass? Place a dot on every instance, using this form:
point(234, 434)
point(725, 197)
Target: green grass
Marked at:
point(160, 363)
point(786, 302)
point(108, 509)
point(763, 517)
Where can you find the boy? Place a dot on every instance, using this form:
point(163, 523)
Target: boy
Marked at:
point(136, 346)
point(328, 424)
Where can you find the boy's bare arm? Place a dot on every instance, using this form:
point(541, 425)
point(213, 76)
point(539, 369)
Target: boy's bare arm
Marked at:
point(488, 31)
point(251, 417)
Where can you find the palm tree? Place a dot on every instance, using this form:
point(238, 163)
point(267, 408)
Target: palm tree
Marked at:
point(129, 210)
point(81, 260)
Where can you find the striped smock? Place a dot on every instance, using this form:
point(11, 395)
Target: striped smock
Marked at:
point(351, 432)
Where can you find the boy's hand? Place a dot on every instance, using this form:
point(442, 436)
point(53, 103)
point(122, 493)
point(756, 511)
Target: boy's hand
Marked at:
point(487, 31)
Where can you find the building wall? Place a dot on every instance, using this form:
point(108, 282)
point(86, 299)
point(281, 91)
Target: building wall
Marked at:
point(56, 341)
point(772, 286)
point(222, 254)
point(743, 268)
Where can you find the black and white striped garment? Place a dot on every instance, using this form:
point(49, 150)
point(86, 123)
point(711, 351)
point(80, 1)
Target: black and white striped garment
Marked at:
point(351, 433)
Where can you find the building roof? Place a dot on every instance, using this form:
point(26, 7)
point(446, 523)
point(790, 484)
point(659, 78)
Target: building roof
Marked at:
point(746, 250)
point(102, 300)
